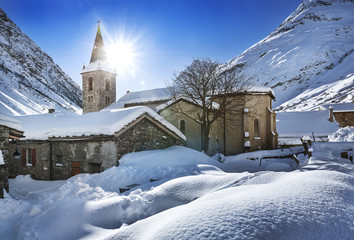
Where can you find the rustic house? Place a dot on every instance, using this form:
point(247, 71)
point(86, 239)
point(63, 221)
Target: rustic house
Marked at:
point(10, 131)
point(58, 147)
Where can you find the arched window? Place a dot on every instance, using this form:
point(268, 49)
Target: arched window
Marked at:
point(182, 126)
point(90, 84)
point(256, 128)
point(108, 87)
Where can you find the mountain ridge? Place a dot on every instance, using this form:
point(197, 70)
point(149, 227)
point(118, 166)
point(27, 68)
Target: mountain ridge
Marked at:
point(315, 41)
point(31, 82)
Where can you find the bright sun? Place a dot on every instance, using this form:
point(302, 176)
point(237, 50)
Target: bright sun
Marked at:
point(121, 56)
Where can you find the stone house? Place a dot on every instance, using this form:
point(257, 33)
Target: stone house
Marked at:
point(343, 114)
point(251, 125)
point(10, 131)
point(248, 126)
point(58, 147)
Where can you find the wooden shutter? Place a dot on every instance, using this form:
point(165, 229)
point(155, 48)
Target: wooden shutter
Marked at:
point(33, 157)
point(23, 156)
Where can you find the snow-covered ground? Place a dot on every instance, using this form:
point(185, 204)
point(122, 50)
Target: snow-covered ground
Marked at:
point(190, 197)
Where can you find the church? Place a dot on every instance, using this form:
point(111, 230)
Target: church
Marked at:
point(59, 146)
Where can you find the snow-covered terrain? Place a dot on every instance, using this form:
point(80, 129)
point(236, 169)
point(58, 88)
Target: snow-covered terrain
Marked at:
point(30, 82)
point(308, 59)
point(190, 197)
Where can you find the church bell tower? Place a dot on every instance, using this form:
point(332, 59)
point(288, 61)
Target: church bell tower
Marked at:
point(98, 79)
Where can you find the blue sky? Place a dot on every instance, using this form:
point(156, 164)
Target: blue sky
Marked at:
point(164, 35)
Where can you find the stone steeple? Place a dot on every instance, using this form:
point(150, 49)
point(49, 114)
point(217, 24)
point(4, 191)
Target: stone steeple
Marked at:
point(98, 51)
point(98, 79)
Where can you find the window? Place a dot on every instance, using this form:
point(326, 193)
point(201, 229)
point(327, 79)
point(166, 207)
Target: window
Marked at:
point(95, 167)
point(90, 84)
point(108, 87)
point(256, 128)
point(90, 98)
point(59, 160)
point(108, 99)
point(182, 126)
point(29, 157)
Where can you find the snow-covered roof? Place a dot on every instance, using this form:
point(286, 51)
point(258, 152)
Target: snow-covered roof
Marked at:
point(163, 94)
point(98, 65)
point(10, 122)
point(153, 95)
point(300, 124)
point(172, 101)
point(342, 107)
point(260, 89)
point(43, 126)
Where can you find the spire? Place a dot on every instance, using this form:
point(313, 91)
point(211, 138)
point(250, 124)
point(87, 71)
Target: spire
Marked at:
point(98, 52)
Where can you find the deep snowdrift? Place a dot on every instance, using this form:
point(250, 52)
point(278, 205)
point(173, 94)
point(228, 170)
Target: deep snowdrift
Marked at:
point(191, 199)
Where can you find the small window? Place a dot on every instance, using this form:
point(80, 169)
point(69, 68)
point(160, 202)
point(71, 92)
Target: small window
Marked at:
point(90, 99)
point(108, 99)
point(95, 167)
point(29, 157)
point(108, 87)
point(59, 160)
point(90, 84)
point(182, 126)
point(256, 128)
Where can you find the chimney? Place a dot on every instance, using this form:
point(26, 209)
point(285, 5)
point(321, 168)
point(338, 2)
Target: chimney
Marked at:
point(330, 114)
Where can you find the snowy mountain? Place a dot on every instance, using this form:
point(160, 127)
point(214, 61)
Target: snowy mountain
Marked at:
point(31, 82)
point(308, 60)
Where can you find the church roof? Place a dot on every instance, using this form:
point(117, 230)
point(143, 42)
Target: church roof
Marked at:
point(98, 51)
point(98, 57)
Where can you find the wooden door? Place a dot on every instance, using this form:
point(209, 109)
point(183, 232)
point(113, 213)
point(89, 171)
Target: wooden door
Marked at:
point(75, 168)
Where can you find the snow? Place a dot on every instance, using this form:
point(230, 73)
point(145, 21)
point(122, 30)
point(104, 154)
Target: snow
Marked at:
point(1, 159)
point(343, 107)
point(308, 59)
point(192, 198)
point(153, 95)
point(31, 82)
point(10, 122)
point(98, 65)
point(43, 126)
point(292, 126)
point(345, 134)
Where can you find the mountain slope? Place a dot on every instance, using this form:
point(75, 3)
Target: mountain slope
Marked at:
point(30, 81)
point(308, 59)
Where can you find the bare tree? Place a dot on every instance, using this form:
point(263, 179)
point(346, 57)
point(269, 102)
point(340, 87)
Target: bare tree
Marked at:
point(211, 88)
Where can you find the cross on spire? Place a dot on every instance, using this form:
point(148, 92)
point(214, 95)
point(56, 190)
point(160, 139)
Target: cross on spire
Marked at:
point(98, 22)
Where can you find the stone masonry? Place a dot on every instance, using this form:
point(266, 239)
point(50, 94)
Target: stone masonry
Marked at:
point(4, 143)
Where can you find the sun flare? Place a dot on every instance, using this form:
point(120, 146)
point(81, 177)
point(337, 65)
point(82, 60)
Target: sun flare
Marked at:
point(121, 56)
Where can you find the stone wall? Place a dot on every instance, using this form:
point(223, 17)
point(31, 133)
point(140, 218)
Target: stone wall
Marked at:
point(4, 143)
point(344, 119)
point(144, 136)
point(99, 91)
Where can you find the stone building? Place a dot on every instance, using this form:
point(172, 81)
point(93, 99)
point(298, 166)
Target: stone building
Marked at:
point(58, 147)
point(10, 131)
point(98, 79)
point(343, 114)
point(251, 125)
